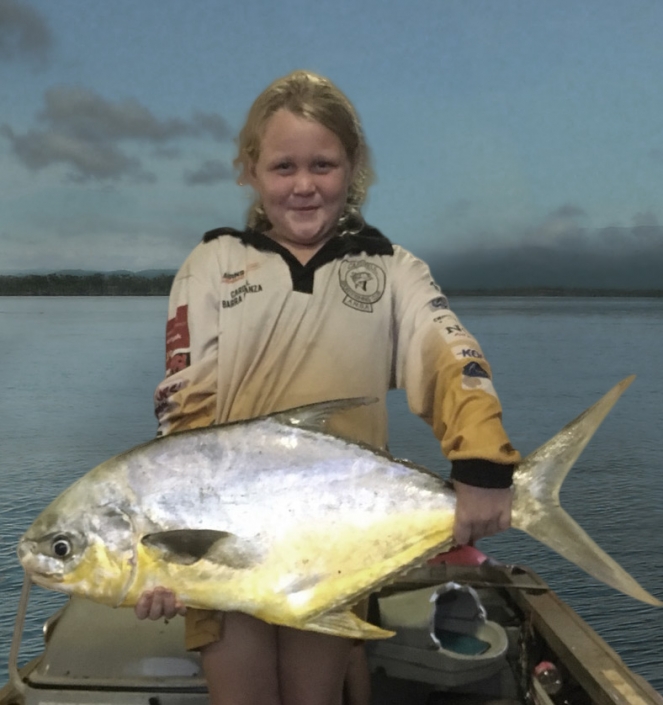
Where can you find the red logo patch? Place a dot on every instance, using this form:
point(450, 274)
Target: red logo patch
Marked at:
point(178, 342)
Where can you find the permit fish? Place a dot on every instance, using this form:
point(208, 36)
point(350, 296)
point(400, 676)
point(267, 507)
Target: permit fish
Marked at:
point(278, 519)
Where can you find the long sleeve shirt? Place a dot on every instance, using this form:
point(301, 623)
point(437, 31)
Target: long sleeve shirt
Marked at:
point(252, 331)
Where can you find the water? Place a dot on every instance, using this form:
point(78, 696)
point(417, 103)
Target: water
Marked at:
point(78, 375)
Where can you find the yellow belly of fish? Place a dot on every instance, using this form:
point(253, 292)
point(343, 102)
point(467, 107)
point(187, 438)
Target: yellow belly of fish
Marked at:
point(340, 577)
point(306, 572)
point(103, 575)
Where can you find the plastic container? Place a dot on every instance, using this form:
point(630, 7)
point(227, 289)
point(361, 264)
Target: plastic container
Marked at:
point(442, 638)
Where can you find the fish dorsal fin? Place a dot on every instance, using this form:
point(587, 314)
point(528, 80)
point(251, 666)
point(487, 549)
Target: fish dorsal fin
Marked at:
point(187, 546)
point(314, 417)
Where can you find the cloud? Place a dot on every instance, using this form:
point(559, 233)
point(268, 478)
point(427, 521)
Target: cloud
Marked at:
point(646, 219)
point(90, 134)
point(209, 172)
point(23, 33)
point(89, 159)
point(568, 211)
point(84, 114)
point(167, 152)
point(612, 257)
point(212, 124)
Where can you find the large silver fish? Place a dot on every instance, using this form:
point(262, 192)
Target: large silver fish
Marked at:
point(276, 518)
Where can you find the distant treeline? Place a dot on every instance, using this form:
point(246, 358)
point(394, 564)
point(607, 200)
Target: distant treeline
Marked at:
point(97, 284)
point(127, 284)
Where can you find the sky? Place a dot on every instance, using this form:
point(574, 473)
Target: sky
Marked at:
point(510, 138)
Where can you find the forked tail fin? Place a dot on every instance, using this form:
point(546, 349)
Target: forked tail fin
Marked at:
point(536, 507)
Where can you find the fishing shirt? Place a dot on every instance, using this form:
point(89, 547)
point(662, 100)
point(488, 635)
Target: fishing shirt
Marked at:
point(252, 331)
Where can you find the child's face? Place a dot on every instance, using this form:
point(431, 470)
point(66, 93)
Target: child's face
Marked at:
point(302, 177)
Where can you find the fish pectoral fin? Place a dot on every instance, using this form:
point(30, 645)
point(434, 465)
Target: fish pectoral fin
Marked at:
point(345, 624)
point(234, 552)
point(187, 546)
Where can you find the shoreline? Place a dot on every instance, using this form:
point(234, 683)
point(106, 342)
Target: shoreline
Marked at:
point(127, 284)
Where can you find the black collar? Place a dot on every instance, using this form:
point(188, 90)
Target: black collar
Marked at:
point(368, 240)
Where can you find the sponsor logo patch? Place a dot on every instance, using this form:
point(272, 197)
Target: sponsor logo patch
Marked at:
point(453, 332)
point(178, 343)
point(438, 302)
point(363, 284)
point(232, 277)
point(162, 403)
point(474, 369)
point(475, 377)
point(456, 331)
point(466, 352)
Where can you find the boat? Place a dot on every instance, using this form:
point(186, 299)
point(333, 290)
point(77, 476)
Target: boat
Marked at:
point(468, 631)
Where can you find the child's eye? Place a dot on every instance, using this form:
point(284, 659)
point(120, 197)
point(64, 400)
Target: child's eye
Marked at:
point(322, 166)
point(283, 166)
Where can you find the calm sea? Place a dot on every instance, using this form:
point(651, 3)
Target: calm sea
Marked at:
point(78, 376)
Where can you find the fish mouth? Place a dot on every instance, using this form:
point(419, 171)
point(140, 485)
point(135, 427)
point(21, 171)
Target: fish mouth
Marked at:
point(39, 576)
point(25, 551)
point(33, 565)
point(46, 580)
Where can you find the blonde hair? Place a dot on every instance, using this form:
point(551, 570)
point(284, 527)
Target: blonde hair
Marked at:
point(316, 98)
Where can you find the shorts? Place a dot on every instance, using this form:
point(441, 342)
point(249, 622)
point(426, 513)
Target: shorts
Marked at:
point(203, 627)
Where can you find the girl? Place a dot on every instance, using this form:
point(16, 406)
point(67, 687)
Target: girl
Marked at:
point(309, 303)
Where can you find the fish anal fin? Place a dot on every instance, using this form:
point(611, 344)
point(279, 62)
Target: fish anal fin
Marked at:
point(345, 624)
point(188, 546)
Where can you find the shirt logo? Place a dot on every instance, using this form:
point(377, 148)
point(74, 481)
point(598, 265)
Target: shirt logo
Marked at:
point(438, 302)
point(239, 294)
point(178, 344)
point(232, 277)
point(363, 284)
point(474, 369)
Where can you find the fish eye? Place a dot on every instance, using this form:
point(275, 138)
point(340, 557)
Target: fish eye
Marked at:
point(61, 546)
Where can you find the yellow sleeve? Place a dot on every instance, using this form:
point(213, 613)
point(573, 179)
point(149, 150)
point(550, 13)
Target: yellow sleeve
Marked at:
point(467, 419)
point(447, 378)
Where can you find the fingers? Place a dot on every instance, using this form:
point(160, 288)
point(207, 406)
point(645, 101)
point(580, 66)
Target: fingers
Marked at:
point(158, 603)
point(469, 531)
point(480, 512)
point(462, 532)
point(168, 605)
point(142, 607)
point(172, 606)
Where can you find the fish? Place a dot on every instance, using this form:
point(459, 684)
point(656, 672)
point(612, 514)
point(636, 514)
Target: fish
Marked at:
point(277, 518)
